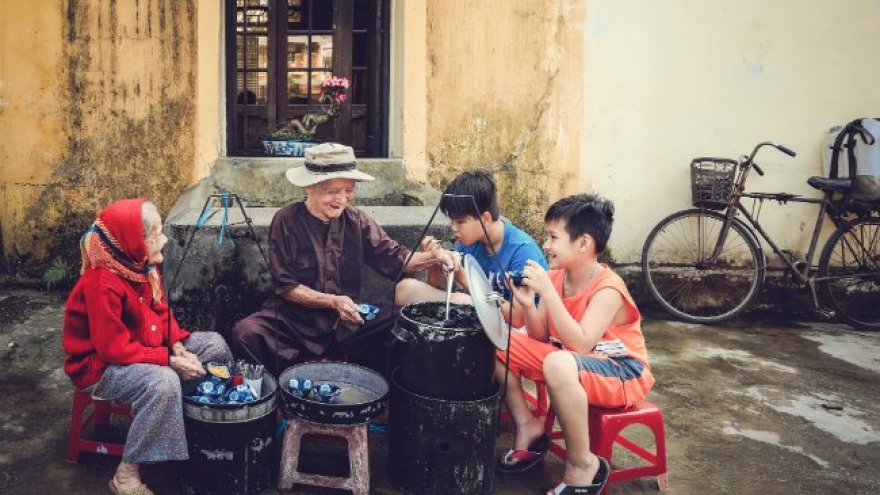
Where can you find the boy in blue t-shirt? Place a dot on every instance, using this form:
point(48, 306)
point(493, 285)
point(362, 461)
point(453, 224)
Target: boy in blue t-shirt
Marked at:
point(471, 204)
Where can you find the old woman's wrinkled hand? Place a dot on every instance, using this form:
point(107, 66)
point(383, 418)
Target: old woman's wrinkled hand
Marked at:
point(188, 368)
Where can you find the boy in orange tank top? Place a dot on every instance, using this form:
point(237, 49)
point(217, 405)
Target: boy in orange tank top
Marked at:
point(583, 339)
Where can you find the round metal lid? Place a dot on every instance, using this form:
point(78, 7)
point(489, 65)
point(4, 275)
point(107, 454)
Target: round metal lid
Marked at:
point(487, 303)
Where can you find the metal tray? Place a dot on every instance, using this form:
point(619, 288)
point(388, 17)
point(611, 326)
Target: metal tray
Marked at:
point(364, 393)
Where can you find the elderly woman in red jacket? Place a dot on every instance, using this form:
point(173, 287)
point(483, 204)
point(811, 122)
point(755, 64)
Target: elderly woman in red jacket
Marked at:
point(123, 344)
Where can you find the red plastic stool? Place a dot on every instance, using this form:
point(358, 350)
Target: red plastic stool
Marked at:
point(606, 426)
point(358, 456)
point(100, 415)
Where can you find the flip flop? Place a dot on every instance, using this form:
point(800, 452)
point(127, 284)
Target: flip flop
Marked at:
point(138, 490)
point(599, 482)
point(520, 461)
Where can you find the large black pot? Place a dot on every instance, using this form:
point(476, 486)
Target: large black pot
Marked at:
point(444, 359)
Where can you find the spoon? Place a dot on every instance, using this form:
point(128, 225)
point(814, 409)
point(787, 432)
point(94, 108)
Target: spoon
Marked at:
point(449, 279)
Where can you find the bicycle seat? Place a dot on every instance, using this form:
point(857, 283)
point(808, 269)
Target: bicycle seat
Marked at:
point(827, 184)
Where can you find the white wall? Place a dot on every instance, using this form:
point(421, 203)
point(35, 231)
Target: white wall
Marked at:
point(669, 80)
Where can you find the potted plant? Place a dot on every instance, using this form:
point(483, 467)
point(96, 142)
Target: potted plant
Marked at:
point(292, 137)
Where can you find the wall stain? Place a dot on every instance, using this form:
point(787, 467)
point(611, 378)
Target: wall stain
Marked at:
point(510, 141)
point(512, 153)
point(110, 152)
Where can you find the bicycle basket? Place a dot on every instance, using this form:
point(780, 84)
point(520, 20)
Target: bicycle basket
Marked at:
point(712, 182)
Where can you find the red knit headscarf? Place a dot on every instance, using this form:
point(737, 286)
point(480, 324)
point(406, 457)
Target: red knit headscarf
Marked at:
point(116, 242)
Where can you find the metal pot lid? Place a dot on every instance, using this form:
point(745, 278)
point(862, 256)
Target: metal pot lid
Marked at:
point(487, 303)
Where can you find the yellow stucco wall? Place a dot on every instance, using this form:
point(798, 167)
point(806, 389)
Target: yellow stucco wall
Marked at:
point(504, 93)
point(97, 102)
point(210, 95)
point(667, 81)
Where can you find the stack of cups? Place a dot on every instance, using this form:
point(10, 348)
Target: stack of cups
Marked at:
point(253, 376)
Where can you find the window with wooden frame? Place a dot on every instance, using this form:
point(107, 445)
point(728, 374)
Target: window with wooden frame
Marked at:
point(279, 51)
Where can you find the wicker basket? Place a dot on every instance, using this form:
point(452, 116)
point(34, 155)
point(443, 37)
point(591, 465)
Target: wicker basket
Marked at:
point(712, 182)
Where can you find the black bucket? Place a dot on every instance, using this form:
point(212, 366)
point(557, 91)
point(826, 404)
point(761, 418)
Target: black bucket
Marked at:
point(232, 448)
point(444, 359)
point(440, 446)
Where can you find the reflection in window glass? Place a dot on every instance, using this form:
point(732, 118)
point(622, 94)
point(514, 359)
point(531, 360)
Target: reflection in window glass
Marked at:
point(251, 88)
point(297, 88)
point(322, 52)
point(296, 52)
point(255, 16)
point(296, 18)
point(252, 18)
point(252, 52)
point(320, 56)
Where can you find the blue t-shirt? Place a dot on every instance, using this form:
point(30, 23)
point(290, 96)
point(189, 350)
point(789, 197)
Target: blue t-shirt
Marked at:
point(517, 248)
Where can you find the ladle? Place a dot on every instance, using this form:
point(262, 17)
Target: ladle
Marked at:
point(449, 278)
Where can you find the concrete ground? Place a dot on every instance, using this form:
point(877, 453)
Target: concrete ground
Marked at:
point(749, 407)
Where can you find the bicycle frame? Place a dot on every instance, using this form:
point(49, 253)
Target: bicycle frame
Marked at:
point(827, 207)
point(802, 274)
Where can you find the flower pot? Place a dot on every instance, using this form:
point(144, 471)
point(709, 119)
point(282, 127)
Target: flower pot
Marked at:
point(286, 147)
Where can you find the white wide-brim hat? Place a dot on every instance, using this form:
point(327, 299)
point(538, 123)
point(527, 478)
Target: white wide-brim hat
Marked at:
point(324, 162)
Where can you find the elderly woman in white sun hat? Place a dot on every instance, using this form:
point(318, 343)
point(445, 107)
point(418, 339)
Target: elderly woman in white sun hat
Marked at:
point(316, 250)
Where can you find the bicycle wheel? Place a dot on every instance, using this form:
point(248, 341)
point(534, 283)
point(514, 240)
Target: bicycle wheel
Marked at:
point(684, 280)
point(850, 263)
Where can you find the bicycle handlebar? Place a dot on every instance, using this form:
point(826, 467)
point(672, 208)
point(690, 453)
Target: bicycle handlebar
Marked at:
point(751, 159)
point(788, 151)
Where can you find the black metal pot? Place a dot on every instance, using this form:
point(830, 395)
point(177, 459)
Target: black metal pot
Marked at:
point(444, 359)
point(364, 393)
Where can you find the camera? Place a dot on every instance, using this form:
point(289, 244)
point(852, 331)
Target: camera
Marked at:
point(498, 283)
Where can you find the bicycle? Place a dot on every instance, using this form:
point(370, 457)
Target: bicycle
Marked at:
point(707, 264)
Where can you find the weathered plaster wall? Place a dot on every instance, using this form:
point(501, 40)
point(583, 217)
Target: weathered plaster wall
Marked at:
point(97, 102)
point(672, 80)
point(504, 93)
point(408, 101)
point(210, 90)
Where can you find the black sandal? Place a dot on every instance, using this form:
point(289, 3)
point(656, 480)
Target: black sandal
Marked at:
point(599, 482)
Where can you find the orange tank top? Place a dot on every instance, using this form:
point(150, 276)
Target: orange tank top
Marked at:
point(630, 334)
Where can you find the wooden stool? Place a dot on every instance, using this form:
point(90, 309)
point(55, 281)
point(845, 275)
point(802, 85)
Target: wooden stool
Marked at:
point(358, 455)
point(100, 415)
